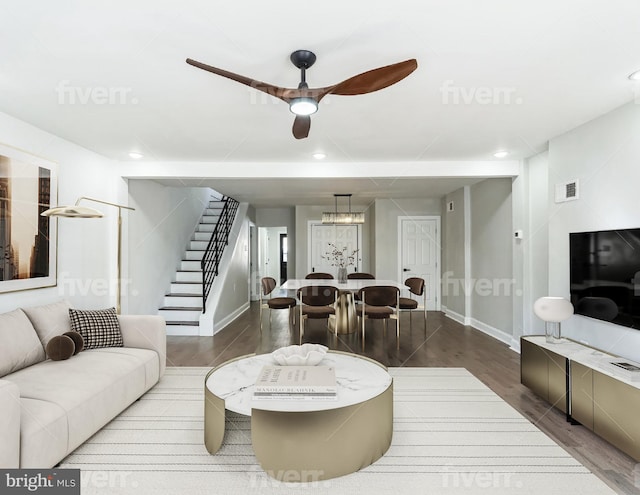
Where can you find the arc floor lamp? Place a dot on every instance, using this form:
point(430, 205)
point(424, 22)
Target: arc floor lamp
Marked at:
point(77, 211)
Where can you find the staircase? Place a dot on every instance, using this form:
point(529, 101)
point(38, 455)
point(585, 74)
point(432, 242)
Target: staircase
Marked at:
point(182, 306)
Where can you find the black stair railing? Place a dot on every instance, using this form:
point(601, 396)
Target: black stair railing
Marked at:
point(219, 240)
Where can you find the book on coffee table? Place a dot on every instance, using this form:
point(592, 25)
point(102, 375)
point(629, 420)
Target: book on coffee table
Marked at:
point(296, 382)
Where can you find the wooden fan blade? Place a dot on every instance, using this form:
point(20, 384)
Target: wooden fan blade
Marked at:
point(284, 94)
point(301, 126)
point(375, 79)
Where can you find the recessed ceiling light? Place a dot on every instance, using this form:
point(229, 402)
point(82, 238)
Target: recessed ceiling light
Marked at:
point(635, 76)
point(135, 155)
point(319, 156)
point(501, 154)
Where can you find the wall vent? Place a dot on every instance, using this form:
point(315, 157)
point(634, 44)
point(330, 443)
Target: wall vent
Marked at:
point(567, 191)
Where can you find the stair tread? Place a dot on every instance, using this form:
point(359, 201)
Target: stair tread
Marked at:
point(185, 323)
point(181, 308)
point(184, 283)
point(183, 294)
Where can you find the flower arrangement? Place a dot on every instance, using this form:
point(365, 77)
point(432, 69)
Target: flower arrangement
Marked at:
point(339, 257)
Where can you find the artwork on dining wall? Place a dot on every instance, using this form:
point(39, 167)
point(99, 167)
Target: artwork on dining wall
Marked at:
point(28, 186)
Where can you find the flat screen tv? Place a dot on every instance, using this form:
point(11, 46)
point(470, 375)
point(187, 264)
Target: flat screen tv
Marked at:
point(605, 275)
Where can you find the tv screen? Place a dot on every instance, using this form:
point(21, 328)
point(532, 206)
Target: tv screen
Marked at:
point(605, 275)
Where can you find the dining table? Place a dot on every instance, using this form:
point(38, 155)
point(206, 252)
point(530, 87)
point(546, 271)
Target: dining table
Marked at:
point(346, 320)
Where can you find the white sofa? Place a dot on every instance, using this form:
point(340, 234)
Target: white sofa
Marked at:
point(49, 408)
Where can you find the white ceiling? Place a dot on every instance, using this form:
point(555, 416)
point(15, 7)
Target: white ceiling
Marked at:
point(319, 191)
point(551, 65)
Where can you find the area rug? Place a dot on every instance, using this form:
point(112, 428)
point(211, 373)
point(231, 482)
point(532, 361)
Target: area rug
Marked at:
point(452, 435)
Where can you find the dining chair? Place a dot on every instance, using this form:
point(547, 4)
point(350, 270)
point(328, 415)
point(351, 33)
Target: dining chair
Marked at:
point(360, 276)
point(319, 275)
point(416, 286)
point(317, 302)
point(268, 284)
point(379, 302)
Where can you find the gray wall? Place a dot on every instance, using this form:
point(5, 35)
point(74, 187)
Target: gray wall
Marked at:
point(387, 212)
point(491, 254)
point(159, 232)
point(453, 262)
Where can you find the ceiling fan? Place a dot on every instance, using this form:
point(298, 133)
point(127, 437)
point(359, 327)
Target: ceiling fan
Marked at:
point(303, 101)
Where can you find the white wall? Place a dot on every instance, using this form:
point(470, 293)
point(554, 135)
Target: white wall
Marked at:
point(281, 217)
point(387, 212)
point(86, 247)
point(270, 251)
point(604, 155)
point(229, 296)
point(159, 232)
point(536, 241)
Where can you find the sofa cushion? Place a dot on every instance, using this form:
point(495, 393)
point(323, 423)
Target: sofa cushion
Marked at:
point(50, 320)
point(19, 343)
point(92, 387)
point(44, 434)
point(98, 328)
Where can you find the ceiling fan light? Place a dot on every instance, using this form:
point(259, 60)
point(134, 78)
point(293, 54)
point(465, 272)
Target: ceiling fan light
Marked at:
point(303, 106)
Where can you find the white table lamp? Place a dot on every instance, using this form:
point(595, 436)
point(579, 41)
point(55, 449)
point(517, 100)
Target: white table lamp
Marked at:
point(553, 310)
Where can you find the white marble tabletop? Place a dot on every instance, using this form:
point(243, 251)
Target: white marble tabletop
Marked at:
point(351, 285)
point(590, 357)
point(357, 380)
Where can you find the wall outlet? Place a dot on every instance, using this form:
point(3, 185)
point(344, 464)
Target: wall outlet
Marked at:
point(450, 206)
point(518, 234)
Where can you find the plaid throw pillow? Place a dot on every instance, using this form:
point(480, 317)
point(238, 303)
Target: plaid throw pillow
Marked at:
point(98, 328)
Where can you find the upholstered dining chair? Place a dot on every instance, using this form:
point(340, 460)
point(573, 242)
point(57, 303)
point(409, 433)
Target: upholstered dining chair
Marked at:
point(360, 276)
point(379, 302)
point(268, 284)
point(319, 275)
point(416, 287)
point(317, 302)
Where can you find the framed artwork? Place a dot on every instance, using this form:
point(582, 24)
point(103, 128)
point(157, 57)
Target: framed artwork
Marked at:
point(28, 186)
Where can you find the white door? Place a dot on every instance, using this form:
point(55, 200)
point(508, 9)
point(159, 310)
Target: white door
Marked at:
point(419, 239)
point(342, 236)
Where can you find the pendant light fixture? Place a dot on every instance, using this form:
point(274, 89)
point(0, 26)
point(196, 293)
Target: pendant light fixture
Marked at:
point(342, 217)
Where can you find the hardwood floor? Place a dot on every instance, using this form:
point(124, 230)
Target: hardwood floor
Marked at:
point(443, 343)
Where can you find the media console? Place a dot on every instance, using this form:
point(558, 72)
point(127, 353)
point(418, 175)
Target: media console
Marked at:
point(584, 383)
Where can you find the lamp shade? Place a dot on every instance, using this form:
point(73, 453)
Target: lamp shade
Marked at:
point(72, 212)
point(553, 309)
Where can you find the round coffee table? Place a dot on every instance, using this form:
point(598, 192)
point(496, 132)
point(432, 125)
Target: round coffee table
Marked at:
point(306, 440)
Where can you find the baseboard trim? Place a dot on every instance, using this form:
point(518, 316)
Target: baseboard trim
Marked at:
point(229, 318)
point(463, 320)
point(496, 334)
point(183, 330)
point(513, 343)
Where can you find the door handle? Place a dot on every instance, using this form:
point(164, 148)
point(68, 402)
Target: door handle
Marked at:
point(406, 270)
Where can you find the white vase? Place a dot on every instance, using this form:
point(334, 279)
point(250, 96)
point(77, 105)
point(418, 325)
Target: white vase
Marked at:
point(342, 275)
